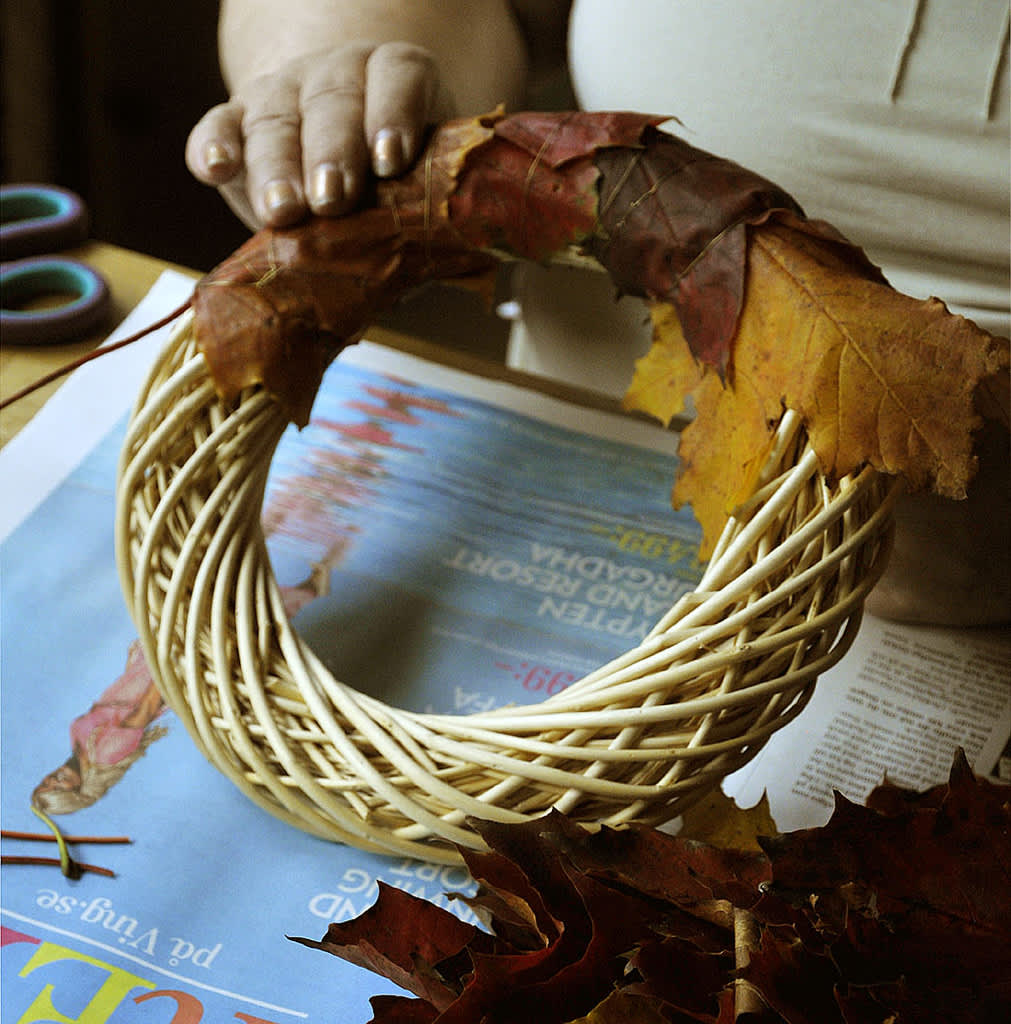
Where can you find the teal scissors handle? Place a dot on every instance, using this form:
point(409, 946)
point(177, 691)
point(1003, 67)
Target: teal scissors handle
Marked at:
point(36, 220)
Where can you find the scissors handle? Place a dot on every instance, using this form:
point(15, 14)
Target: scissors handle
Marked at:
point(36, 219)
point(24, 280)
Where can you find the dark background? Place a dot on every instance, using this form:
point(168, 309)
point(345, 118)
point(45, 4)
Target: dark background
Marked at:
point(99, 96)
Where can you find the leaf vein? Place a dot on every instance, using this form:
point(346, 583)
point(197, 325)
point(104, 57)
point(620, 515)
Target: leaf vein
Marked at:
point(850, 343)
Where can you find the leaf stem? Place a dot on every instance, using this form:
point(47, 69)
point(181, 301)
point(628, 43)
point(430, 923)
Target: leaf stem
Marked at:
point(71, 868)
point(75, 867)
point(103, 350)
point(45, 837)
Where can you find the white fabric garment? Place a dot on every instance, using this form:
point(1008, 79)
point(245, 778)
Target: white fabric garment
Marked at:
point(888, 118)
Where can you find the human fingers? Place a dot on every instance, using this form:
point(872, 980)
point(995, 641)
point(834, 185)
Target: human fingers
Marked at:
point(214, 155)
point(272, 148)
point(403, 93)
point(214, 146)
point(335, 158)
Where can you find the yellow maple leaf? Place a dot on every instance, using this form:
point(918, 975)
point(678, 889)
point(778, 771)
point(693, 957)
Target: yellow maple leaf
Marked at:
point(718, 820)
point(878, 377)
point(667, 373)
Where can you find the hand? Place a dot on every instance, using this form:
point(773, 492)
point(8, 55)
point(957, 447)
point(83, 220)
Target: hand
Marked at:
point(307, 136)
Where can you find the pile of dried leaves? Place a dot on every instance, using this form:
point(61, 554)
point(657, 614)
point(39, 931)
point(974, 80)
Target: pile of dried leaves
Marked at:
point(897, 911)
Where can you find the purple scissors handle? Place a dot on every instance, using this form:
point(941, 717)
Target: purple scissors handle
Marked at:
point(36, 220)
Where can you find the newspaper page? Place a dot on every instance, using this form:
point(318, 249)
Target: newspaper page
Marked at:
point(443, 541)
point(437, 547)
point(898, 706)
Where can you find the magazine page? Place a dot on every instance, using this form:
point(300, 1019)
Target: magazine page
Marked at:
point(437, 549)
point(898, 705)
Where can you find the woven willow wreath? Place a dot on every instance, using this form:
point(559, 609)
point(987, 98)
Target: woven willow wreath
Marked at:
point(746, 289)
point(637, 740)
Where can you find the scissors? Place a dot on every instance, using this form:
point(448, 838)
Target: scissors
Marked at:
point(36, 221)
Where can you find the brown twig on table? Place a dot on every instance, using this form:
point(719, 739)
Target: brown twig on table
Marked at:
point(70, 867)
point(74, 868)
point(97, 353)
point(45, 837)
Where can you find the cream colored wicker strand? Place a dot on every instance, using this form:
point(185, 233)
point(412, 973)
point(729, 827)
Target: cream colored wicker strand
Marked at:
point(314, 682)
point(224, 678)
point(372, 779)
point(275, 794)
point(635, 740)
point(227, 627)
point(704, 618)
point(439, 741)
point(629, 687)
point(195, 630)
point(662, 714)
point(172, 501)
point(710, 621)
point(148, 438)
point(183, 624)
point(675, 773)
point(505, 721)
point(678, 767)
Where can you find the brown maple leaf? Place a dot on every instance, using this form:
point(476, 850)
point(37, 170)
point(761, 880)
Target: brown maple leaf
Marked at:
point(403, 938)
point(900, 910)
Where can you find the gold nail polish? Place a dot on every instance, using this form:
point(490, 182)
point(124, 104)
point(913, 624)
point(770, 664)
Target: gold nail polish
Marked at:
point(279, 196)
point(216, 155)
point(326, 188)
point(388, 153)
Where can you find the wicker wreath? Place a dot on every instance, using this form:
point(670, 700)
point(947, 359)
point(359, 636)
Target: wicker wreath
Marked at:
point(637, 740)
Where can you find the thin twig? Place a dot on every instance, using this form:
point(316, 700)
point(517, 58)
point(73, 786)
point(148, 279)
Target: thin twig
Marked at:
point(104, 350)
point(70, 867)
point(74, 868)
point(45, 837)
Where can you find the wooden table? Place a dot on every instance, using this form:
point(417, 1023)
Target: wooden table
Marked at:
point(130, 275)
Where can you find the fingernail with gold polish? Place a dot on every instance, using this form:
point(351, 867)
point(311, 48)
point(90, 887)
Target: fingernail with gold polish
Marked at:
point(280, 197)
point(388, 153)
point(326, 189)
point(217, 155)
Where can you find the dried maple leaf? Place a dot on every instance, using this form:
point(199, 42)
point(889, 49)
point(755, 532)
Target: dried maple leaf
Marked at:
point(674, 228)
point(625, 1008)
point(912, 901)
point(403, 938)
point(756, 308)
point(283, 306)
point(717, 820)
point(973, 887)
point(896, 911)
point(879, 378)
